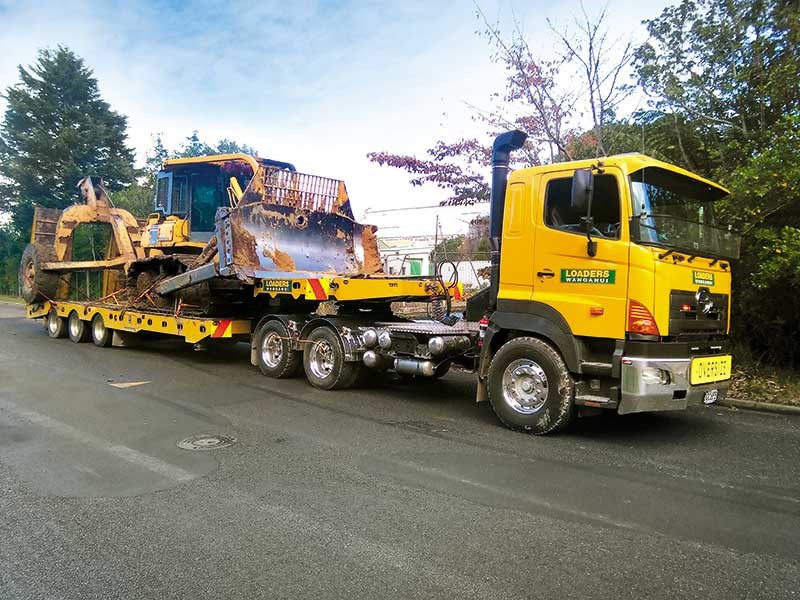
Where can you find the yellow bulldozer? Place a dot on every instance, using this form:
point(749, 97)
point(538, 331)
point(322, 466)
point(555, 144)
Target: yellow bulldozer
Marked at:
point(218, 223)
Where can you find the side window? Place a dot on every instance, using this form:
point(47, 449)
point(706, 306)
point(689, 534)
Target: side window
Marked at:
point(180, 195)
point(558, 214)
point(162, 191)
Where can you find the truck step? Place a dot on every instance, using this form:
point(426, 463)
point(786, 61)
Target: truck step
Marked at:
point(596, 368)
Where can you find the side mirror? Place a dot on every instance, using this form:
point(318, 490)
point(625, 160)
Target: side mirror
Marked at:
point(581, 201)
point(582, 188)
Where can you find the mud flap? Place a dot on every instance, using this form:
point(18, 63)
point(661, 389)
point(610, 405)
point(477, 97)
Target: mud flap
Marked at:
point(482, 394)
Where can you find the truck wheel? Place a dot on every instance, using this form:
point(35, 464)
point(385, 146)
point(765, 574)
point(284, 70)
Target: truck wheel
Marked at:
point(324, 363)
point(34, 283)
point(276, 358)
point(102, 336)
point(78, 330)
point(530, 388)
point(56, 326)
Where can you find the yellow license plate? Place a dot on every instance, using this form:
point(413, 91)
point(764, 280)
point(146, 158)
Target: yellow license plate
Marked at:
point(710, 368)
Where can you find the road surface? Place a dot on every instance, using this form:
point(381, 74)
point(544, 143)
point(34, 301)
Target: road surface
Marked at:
point(386, 492)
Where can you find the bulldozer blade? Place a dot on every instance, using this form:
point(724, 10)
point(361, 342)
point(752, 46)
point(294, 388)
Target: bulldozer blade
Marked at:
point(262, 240)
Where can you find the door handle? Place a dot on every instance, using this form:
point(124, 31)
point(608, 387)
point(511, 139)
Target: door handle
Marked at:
point(546, 273)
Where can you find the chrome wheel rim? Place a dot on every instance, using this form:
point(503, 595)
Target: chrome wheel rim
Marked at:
point(321, 359)
point(74, 325)
point(52, 323)
point(98, 329)
point(525, 386)
point(272, 349)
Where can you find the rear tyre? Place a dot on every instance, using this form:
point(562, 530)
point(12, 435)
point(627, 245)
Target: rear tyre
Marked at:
point(324, 363)
point(56, 326)
point(276, 357)
point(530, 388)
point(101, 335)
point(78, 330)
point(35, 284)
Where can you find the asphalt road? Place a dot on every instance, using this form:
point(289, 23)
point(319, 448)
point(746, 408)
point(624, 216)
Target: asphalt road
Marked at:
point(385, 492)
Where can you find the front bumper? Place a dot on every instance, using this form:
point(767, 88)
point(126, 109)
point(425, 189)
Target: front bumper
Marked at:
point(654, 384)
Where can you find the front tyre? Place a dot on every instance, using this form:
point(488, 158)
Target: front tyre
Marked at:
point(530, 388)
point(276, 357)
point(324, 361)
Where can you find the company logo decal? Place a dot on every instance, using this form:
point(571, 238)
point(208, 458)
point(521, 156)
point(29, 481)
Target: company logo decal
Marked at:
point(702, 278)
point(276, 285)
point(588, 275)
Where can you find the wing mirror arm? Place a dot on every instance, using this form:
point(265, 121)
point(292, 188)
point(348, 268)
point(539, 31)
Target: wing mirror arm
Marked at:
point(581, 200)
point(591, 245)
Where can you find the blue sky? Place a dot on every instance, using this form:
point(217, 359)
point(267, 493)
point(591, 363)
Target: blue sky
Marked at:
point(317, 83)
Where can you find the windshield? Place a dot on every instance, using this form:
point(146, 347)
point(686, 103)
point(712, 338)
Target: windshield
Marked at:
point(677, 212)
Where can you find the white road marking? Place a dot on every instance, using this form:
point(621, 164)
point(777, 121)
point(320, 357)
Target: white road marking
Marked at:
point(128, 384)
point(151, 463)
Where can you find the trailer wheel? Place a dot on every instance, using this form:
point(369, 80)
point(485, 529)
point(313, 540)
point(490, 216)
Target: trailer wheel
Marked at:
point(56, 326)
point(324, 363)
point(102, 336)
point(276, 358)
point(78, 330)
point(530, 388)
point(34, 283)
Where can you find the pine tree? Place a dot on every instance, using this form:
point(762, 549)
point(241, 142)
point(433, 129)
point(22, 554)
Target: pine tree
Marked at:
point(57, 129)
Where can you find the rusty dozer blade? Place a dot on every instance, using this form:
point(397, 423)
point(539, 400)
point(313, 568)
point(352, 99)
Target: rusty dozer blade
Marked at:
point(294, 224)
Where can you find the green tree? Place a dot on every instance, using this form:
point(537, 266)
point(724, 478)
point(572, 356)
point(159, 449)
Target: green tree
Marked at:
point(723, 73)
point(137, 199)
point(536, 100)
point(226, 146)
point(57, 129)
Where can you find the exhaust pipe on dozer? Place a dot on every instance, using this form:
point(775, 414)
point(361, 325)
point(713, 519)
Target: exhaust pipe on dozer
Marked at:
point(504, 144)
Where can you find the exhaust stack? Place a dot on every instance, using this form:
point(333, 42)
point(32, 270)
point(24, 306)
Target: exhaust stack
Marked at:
point(504, 144)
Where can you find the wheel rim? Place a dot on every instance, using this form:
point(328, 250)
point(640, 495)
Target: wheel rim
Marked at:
point(74, 325)
point(52, 323)
point(98, 329)
point(524, 386)
point(272, 349)
point(321, 359)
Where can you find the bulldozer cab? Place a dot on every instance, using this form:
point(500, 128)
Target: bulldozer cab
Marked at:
point(188, 194)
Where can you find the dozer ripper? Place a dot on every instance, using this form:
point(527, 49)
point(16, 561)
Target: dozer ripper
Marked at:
point(609, 289)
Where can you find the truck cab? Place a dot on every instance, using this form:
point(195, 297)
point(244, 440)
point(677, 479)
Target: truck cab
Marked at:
point(619, 266)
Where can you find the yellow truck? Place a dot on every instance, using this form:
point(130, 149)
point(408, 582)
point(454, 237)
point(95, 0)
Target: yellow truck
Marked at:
point(610, 284)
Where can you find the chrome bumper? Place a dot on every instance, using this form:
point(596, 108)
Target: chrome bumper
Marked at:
point(653, 384)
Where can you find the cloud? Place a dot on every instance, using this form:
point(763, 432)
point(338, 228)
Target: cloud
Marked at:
point(319, 84)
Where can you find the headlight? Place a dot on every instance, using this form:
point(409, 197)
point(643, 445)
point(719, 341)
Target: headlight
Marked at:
point(653, 376)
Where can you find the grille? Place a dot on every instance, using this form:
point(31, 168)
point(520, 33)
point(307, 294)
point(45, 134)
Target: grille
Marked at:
point(303, 191)
point(695, 321)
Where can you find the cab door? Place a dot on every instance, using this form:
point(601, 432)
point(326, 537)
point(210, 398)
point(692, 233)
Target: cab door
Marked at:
point(589, 292)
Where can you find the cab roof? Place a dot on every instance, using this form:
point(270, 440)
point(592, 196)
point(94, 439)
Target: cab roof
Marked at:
point(628, 163)
point(219, 159)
